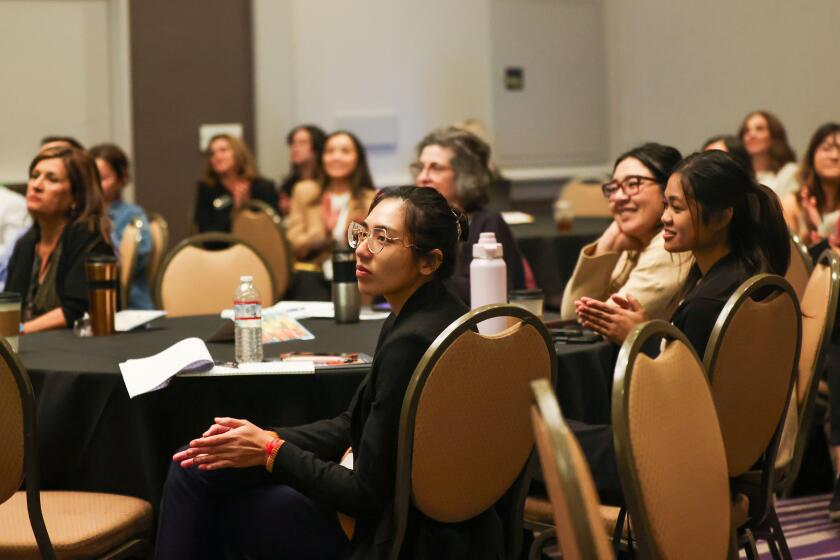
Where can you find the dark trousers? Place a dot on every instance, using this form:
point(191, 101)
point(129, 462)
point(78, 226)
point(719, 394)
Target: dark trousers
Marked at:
point(241, 513)
point(596, 442)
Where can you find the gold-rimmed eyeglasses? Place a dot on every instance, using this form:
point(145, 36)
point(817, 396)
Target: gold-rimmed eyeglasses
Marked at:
point(434, 169)
point(376, 238)
point(630, 185)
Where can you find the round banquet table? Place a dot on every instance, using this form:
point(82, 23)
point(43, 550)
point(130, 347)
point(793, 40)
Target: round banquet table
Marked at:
point(93, 437)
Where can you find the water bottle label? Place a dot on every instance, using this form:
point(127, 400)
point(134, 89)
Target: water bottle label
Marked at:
point(247, 310)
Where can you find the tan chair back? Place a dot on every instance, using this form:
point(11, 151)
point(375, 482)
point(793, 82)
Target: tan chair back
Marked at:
point(128, 257)
point(586, 199)
point(261, 226)
point(197, 281)
point(159, 230)
point(751, 357)
point(799, 269)
point(11, 436)
point(819, 312)
point(665, 434)
point(574, 500)
point(465, 434)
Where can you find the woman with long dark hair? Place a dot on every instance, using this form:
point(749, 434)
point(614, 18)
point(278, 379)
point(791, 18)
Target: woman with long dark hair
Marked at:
point(306, 145)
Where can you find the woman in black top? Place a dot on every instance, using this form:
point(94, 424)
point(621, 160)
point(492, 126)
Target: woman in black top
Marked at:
point(230, 180)
point(47, 266)
point(281, 497)
point(306, 146)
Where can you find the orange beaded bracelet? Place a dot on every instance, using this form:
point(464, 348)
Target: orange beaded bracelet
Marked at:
point(275, 444)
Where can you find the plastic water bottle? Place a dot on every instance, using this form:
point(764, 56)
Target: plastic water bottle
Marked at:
point(488, 279)
point(247, 313)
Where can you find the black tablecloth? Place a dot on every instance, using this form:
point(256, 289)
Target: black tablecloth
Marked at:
point(93, 437)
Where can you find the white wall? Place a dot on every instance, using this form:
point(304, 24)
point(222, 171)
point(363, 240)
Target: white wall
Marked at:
point(682, 71)
point(424, 61)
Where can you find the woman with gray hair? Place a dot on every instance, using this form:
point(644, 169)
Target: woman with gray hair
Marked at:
point(455, 163)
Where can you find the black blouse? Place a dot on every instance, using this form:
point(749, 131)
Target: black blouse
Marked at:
point(308, 461)
point(71, 283)
point(698, 312)
point(213, 204)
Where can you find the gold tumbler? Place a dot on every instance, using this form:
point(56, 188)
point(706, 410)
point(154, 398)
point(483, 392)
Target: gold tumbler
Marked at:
point(101, 271)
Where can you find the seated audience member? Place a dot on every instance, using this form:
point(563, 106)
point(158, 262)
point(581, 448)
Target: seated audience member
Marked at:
point(629, 260)
point(14, 221)
point(732, 145)
point(320, 210)
point(812, 212)
point(262, 494)
point(735, 229)
point(57, 141)
point(48, 264)
point(306, 145)
point(114, 174)
point(454, 162)
point(230, 180)
point(773, 160)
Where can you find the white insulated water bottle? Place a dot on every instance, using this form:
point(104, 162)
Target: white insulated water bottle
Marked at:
point(247, 311)
point(488, 279)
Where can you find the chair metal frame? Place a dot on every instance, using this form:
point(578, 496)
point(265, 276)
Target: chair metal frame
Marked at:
point(156, 259)
point(198, 240)
point(133, 548)
point(129, 268)
point(757, 484)
point(405, 447)
point(802, 251)
point(255, 205)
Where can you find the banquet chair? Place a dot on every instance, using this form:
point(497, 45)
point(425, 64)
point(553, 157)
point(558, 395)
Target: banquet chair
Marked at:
point(55, 524)
point(465, 442)
point(260, 225)
point(194, 280)
point(751, 358)
point(159, 230)
point(800, 266)
point(586, 199)
point(665, 433)
point(128, 257)
point(574, 499)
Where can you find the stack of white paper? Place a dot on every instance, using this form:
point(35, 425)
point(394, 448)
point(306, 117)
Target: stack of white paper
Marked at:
point(310, 310)
point(129, 319)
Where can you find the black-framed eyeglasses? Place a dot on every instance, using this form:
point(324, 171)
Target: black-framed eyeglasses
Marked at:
point(376, 238)
point(630, 185)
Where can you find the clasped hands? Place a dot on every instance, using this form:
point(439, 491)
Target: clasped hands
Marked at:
point(229, 442)
point(614, 318)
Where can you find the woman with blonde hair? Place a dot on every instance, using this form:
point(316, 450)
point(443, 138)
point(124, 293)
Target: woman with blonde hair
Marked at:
point(229, 181)
point(773, 160)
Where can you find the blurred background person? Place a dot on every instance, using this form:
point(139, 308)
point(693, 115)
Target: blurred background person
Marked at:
point(306, 145)
point(734, 147)
point(47, 268)
point(773, 160)
point(320, 211)
point(455, 163)
point(14, 221)
point(229, 181)
point(113, 167)
point(59, 141)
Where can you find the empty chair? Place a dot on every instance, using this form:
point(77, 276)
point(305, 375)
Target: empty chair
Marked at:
point(128, 258)
point(751, 358)
point(800, 266)
point(260, 225)
point(160, 241)
point(465, 436)
point(67, 525)
point(586, 199)
point(195, 281)
point(669, 448)
point(574, 500)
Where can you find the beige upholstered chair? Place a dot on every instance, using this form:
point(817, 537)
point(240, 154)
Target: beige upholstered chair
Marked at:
point(465, 437)
point(669, 448)
point(586, 199)
point(159, 230)
point(574, 500)
point(800, 265)
point(66, 525)
point(128, 257)
point(751, 358)
point(195, 281)
point(260, 225)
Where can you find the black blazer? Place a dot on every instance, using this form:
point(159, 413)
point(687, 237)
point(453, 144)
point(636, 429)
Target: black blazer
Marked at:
point(483, 220)
point(308, 461)
point(71, 281)
point(210, 218)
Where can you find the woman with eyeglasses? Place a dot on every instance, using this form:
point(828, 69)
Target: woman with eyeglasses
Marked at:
point(248, 492)
point(456, 163)
point(629, 261)
point(320, 210)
